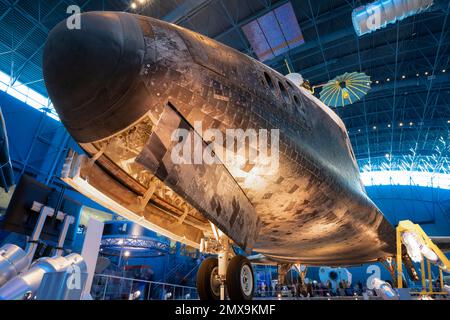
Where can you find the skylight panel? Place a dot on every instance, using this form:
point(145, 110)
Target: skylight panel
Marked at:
point(275, 33)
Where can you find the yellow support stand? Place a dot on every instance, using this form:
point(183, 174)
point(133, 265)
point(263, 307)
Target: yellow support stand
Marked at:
point(422, 273)
point(430, 281)
point(399, 258)
point(405, 226)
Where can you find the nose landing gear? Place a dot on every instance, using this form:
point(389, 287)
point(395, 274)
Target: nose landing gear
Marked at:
point(234, 273)
point(240, 283)
point(208, 280)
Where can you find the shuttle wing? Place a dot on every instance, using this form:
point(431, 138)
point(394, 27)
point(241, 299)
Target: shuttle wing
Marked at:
point(209, 188)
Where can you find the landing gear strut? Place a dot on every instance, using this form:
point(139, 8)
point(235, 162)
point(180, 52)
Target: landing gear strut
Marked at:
point(233, 272)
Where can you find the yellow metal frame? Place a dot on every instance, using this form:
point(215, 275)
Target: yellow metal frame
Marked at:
point(407, 225)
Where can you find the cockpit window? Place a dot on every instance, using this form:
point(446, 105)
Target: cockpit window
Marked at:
point(284, 92)
point(269, 82)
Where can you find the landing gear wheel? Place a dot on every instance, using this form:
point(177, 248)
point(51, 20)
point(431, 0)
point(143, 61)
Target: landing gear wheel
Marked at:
point(208, 281)
point(240, 282)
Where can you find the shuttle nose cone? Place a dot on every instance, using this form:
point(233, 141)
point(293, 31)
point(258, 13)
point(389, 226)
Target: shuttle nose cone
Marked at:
point(89, 72)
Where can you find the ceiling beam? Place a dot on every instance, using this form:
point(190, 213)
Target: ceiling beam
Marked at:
point(186, 10)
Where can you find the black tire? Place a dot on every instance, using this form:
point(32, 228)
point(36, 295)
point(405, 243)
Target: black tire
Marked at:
point(235, 290)
point(204, 285)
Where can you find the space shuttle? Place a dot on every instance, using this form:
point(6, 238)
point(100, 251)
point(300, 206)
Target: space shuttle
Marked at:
point(125, 86)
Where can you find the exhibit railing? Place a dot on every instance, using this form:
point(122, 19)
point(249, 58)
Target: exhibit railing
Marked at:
point(110, 287)
point(341, 294)
point(316, 294)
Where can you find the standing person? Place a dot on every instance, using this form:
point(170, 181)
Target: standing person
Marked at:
point(360, 287)
point(263, 289)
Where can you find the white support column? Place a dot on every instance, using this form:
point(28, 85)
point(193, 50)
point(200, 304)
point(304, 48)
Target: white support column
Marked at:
point(32, 243)
point(68, 220)
point(91, 247)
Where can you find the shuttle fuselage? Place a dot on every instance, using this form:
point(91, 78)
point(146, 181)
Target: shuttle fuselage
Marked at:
point(122, 81)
